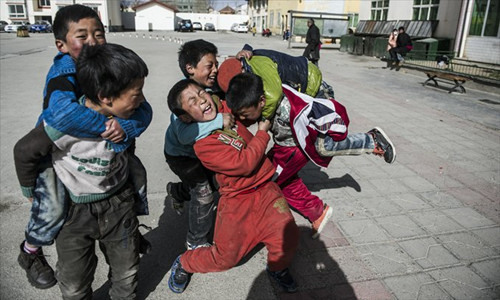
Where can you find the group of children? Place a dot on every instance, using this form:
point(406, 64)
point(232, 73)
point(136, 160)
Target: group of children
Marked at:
point(79, 169)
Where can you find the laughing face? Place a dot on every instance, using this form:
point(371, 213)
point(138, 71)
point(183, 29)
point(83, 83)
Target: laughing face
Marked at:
point(198, 104)
point(205, 72)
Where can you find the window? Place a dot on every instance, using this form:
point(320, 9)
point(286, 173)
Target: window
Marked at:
point(485, 18)
point(424, 10)
point(16, 11)
point(379, 10)
point(271, 19)
point(279, 19)
point(42, 3)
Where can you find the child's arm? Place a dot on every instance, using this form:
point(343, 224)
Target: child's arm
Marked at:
point(28, 153)
point(222, 154)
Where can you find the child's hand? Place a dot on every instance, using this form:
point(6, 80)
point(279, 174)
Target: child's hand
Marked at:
point(264, 125)
point(244, 53)
point(114, 132)
point(228, 120)
point(30, 199)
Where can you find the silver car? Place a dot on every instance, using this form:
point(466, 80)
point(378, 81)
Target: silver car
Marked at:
point(15, 25)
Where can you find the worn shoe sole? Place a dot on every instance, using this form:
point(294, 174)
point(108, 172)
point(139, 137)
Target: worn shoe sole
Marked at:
point(390, 143)
point(36, 284)
point(328, 215)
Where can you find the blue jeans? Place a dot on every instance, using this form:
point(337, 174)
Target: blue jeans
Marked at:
point(353, 144)
point(50, 202)
point(198, 180)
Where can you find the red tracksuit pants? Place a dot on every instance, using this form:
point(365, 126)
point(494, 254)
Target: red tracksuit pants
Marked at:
point(292, 160)
point(242, 222)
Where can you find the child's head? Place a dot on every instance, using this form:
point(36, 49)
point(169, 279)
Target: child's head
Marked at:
point(197, 60)
point(111, 77)
point(190, 102)
point(245, 96)
point(76, 25)
point(228, 69)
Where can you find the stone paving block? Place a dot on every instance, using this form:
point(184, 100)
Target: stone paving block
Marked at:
point(372, 289)
point(352, 265)
point(490, 235)
point(388, 259)
point(389, 186)
point(379, 206)
point(466, 246)
point(489, 269)
point(348, 211)
point(366, 189)
point(362, 231)
point(468, 217)
point(490, 176)
point(409, 201)
point(435, 222)
point(330, 237)
point(415, 286)
point(397, 170)
point(443, 181)
point(428, 253)
point(372, 171)
point(462, 283)
point(418, 184)
point(400, 226)
point(441, 199)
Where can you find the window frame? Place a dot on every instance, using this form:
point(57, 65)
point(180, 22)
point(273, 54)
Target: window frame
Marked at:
point(379, 10)
point(43, 3)
point(16, 14)
point(427, 6)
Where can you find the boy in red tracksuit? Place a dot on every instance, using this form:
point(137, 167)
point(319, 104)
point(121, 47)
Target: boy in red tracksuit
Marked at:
point(251, 208)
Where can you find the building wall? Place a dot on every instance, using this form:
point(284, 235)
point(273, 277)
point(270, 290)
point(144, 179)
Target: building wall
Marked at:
point(351, 6)
point(257, 13)
point(398, 10)
point(281, 8)
point(322, 6)
point(156, 16)
point(483, 49)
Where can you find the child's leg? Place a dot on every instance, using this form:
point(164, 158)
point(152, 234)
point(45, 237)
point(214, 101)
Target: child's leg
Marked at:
point(374, 141)
point(196, 177)
point(47, 216)
point(138, 178)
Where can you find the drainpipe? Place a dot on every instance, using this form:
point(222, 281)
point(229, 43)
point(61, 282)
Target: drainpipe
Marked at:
point(466, 27)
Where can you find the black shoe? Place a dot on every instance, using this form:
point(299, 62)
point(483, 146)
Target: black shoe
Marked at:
point(179, 278)
point(284, 279)
point(383, 142)
point(38, 271)
point(177, 206)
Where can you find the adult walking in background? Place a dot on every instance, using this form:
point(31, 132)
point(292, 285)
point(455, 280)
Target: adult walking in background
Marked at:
point(404, 45)
point(313, 42)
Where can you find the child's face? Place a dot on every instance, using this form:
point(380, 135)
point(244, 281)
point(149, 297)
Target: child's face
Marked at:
point(205, 72)
point(252, 113)
point(129, 100)
point(198, 104)
point(86, 31)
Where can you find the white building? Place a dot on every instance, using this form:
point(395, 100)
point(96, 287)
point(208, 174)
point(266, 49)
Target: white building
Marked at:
point(154, 15)
point(472, 25)
point(35, 10)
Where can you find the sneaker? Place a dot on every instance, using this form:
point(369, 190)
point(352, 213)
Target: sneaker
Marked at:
point(284, 279)
point(177, 206)
point(383, 143)
point(319, 224)
point(38, 271)
point(190, 246)
point(178, 277)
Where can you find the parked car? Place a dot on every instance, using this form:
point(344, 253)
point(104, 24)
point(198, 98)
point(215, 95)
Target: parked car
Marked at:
point(234, 26)
point(41, 26)
point(209, 27)
point(197, 26)
point(242, 28)
point(2, 25)
point(185, 25)
point(15, 25)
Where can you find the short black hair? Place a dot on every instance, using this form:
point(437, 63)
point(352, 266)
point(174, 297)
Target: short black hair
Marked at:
point(72, 13)
point(107, 70)
point(401, 28)
point(192, 52)
point(244, 91)
point(174, 100)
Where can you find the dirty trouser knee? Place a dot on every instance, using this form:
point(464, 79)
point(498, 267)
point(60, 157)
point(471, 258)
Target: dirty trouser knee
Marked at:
point(201, 213)
point(112, 222)
point(48, 209)
point(353, 144)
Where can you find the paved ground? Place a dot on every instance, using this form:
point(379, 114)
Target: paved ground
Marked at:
point(426, 227)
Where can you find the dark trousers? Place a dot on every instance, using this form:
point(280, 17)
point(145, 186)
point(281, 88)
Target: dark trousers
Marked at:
point(197, 183)
point(113, 223)
point(394, 52)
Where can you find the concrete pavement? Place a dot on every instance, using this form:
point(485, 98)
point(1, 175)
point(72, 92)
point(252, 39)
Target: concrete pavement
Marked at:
point(425, 227)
